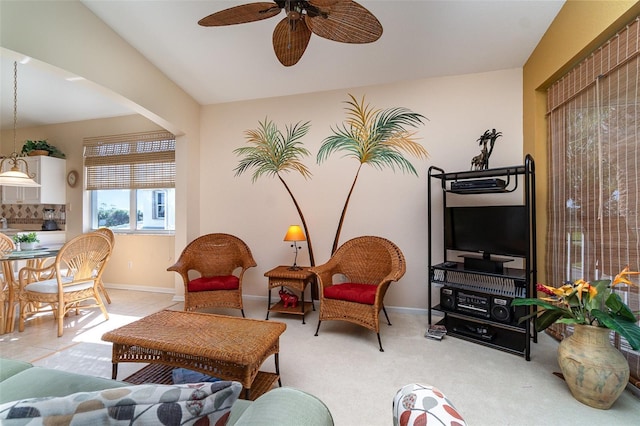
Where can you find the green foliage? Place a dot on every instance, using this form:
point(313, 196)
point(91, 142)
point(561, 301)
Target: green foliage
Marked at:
point(42, 145)
point(588, 304)
point(30, 237)
point(112, 216)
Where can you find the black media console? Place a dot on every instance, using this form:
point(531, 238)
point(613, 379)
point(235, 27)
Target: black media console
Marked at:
point(474, 286)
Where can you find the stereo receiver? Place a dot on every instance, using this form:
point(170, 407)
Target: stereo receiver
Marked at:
point(495, 308)
point(471, 303)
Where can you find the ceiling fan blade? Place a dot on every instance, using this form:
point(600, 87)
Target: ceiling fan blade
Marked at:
point(347, 22)
point(290, 40)
point(326, 3)
point(241, 14)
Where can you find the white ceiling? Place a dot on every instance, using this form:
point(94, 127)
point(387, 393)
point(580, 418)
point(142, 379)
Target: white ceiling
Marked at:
point(421, 39)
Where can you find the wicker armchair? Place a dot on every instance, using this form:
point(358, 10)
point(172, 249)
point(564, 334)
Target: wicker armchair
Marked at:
point(112, 239)
point(219, 261)
point(369, 265)
point(70, 280)
point(6, 245)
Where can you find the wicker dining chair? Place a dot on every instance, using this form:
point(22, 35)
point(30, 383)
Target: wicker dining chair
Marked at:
point(366, 267)
point(212, 267)
point(7, 279)
point(73, 279)
point(112, 239)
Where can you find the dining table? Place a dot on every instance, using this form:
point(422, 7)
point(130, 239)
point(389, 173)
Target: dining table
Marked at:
point(13, 261)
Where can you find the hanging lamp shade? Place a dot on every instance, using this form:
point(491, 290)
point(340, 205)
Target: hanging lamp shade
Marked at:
point(14, 176)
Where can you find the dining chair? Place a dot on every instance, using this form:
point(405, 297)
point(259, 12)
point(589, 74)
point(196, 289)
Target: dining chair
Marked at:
point(363, 268)
point(112, 239)
point(68, 282)
point(212, 267)
point(7, 280)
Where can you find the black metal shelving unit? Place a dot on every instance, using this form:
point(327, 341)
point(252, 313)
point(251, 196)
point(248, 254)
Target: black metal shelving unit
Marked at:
point(495, 323)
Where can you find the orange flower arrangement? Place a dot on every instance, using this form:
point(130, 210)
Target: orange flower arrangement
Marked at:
point(589, 303)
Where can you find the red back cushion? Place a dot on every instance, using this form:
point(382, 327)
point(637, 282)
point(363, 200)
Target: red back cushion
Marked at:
point(352, 292)
point(227, 282)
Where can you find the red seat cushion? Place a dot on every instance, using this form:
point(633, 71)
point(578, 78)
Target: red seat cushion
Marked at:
point(352, 292)
point(227, 282)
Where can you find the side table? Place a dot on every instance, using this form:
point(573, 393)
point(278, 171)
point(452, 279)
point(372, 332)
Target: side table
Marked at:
point(297, 280)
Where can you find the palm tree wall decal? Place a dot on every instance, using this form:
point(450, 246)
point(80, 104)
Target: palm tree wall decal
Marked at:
point(273, 153)
point(374, 137)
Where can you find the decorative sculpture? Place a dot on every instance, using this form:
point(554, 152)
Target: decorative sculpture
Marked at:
point(289, 300)
point(481, 161)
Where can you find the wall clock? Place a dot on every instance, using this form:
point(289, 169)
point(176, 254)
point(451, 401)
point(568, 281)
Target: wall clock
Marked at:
point(72, 178)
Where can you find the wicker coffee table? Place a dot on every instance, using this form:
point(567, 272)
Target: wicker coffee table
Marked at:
point(226, 347)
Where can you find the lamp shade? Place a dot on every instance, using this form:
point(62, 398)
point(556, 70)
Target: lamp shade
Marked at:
point(295, 233)
point(14, 176)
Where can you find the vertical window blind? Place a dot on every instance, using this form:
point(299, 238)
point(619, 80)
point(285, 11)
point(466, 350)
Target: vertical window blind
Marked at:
point(594, 164)
point(130, 161)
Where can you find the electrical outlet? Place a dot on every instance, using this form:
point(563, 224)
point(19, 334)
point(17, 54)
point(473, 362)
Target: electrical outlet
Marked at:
point(130, 264)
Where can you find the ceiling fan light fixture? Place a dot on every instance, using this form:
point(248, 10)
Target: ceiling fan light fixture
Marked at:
point(344, 21)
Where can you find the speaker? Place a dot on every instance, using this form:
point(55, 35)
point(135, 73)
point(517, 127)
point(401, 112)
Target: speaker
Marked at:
point(447, 299)
point(501, 309)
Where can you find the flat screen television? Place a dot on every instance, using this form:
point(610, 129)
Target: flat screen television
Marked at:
point(490, 230)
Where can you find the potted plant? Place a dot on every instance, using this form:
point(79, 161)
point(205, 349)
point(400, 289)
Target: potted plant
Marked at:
point(595, 371)
point(26, 241)
point(41, 147)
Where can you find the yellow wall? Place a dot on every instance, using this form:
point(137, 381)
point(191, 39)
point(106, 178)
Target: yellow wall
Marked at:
point(580, 27)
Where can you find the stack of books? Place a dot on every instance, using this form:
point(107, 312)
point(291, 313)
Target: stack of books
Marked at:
point(436, 332)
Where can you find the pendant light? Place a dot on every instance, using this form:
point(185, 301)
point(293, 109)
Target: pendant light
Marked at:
point(14, 176)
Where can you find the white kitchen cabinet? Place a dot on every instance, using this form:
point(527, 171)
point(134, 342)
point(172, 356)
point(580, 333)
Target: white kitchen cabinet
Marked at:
point(49, 172)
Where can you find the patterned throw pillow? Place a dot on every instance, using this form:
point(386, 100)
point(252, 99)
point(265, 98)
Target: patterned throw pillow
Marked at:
point(193, 404)
point(417, 404)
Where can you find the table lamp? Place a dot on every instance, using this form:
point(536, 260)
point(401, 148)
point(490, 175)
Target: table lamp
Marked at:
point(295, 234)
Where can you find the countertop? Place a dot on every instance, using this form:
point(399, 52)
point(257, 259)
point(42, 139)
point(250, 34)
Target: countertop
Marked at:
point(14, 231)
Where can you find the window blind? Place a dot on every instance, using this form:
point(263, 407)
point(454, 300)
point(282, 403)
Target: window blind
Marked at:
point(594, 158)
point(130, 161)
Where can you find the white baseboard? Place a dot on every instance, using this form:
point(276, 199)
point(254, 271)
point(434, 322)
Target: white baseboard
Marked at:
point(180, 298)
point(139, 288)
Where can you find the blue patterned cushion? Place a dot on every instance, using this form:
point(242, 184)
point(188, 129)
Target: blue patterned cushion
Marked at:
point(133, 405)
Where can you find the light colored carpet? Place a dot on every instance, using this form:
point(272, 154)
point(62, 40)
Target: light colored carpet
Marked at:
point(343, 367)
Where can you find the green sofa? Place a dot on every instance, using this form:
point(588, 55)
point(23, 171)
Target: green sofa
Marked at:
point(282, 406)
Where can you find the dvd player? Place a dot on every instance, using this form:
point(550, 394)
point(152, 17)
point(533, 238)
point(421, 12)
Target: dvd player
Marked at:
point(476, 184)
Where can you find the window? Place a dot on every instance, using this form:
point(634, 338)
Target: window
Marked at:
point(132, 181)
point(594, 155)
point(159, 204)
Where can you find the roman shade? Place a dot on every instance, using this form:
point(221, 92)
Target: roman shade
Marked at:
point(594, 157)
point(130, 161)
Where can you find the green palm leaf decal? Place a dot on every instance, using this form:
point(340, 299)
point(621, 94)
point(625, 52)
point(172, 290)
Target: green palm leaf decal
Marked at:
point(272, 153)
point(375, 137)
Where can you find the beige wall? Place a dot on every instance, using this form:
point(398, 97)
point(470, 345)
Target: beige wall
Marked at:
point(579, 28)
point(210, 198)
point(384, 203)
point(393, 205)
point(67, 35)
point(138, 262)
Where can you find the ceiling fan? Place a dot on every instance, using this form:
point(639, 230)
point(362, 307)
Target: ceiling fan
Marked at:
point(344, 21)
